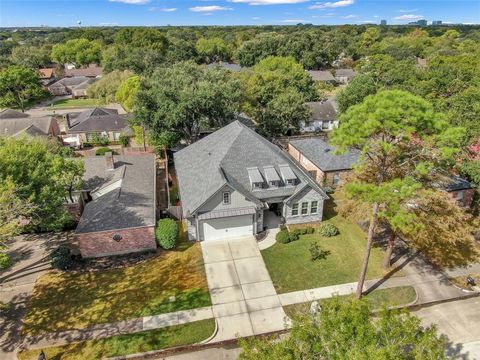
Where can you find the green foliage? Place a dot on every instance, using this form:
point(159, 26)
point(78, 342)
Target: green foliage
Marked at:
point(359, 88)
point(18, 86)
point(471, 170)
point(329, 230)
point(177, 102)
point(41, 179)
point(99, 139)
point(61, 258)
point(294, 235)
point(106, 88)
point(166, 233)
point(309, 230)
point(282, 237)
point(103, 150)
point(127, 91)
point(124, 140)
point(80, 52)
point(388, 334)
point(33, 57)
point(5, 261)
point(316, 252)
point(213, 49)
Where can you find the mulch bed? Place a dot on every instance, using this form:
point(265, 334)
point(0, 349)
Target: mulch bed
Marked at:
point(111, 262)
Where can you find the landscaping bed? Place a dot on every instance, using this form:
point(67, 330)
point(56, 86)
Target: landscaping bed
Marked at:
point(396, 296)
point(120, 345)
point(291, 268)
point(461, 282)
point(172, 281)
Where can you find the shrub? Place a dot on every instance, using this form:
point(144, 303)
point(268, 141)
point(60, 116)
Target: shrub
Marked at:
point(5, 261)
point(166, 233)
point(316, 252)
point(98, 139)
point(309, 230)
point(283, 227)
point(61, 258)
point(328, 230)
point(283, 237)
point(296, 232)
point(87, 144)
point(103, 150)
point(294, 235)
point(124, 140)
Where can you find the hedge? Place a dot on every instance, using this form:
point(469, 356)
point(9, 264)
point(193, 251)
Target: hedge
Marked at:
point(61, 258)
point(166, 233)
point(328, 230)
point(282, 237)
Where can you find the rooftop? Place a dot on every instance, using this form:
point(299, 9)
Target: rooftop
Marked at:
point(321, 75)
point(123, 197)
point(91, 71)
point(322, 110)
point(97, 119)
point(322, 154)
point(16, 123)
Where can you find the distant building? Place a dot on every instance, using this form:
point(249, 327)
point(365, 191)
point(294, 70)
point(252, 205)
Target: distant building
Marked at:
point(383, 22)
point(437, 22)
point(421, 22)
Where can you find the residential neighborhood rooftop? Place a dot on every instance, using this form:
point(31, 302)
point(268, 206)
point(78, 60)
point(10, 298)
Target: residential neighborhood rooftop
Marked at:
point(90, 71)
point(97, 119)
point(15, 123)
point(323, 155)
point(321, 75)
point(123, 197)
point(322, 110)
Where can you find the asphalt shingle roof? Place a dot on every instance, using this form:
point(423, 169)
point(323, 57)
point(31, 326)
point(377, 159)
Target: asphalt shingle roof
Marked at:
point(132, 204)
point(97, 119)
point(321, 75)
point(345, 72)
point(224, 157)
point(15, 123)
point(322, 110)
point(320, 153)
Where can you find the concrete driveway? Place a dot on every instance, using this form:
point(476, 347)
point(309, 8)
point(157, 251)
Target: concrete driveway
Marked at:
point(244, 300)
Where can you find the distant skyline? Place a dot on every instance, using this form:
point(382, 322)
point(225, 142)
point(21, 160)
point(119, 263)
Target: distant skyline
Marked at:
point(232, 12)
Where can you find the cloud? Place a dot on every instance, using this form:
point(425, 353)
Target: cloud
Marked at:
point(409, 17)
point(330, 5)
point(407, 11)
point(256, 18)
point(295, 21)
point(268, 2)
point(209, 9)
point(351, 16)
point(368, 21)
point(132, 2)
point(168, 9)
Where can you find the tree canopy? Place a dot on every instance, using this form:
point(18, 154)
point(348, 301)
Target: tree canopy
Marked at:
point(80, 52)
point(19, 85)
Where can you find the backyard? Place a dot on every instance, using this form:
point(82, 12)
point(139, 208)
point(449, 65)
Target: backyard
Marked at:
point(128, 344)
point(171, 281)
point(291, 268)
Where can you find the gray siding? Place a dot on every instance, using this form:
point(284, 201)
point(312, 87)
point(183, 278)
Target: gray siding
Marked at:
point(307, 195)
point(237, 200)
point(191, 229)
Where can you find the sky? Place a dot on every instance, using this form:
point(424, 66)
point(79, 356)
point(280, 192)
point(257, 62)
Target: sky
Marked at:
point(231, 12)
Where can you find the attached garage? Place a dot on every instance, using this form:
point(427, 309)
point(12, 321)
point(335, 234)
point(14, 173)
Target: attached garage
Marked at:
point(227, 227)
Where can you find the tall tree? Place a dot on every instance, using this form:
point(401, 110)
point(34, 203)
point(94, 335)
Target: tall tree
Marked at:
point(127, 91)
point(19, 85)
point(178, 102)
point(106, 88)
point(80, 52)
point(401, 138)
point(346, 329)
point(213, 49)
point(359, 88)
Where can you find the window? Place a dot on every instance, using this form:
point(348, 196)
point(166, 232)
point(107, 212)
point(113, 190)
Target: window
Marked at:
point(116, 136)
point(336, 179)
point(291, 182)
point(304, 208)
point(459, 195)
point(313, 207)
point(273, 184)
point(257, 185)
point(295, 209)
point(226, 198)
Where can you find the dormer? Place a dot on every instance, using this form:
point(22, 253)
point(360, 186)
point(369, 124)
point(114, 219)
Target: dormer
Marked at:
point(272, 177)
point(256, 178)
point(288, 176)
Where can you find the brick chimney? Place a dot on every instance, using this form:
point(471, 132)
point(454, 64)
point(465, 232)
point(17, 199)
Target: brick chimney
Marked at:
point(110, 162)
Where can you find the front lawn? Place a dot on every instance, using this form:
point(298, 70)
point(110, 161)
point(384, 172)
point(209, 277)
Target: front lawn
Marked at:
point(74, 103)
point(67, 300)
point(396, 296)
point(120, 345)
point(291, 269)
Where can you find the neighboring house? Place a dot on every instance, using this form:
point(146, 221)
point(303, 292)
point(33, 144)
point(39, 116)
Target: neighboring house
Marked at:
point(321, 75)
point(47, 76)
point(17, 124)
point(119, 214)
point(317, 157)
point(91, 71)
point(459, 189)
point(82, 127)
point(344, 76)
point(75, 86)
point(235, 183)
point(228, 66)
point(323, 116)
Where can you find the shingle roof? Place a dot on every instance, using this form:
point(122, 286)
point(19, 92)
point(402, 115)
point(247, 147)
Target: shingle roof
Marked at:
point(319, 152)
point(345, 72)
point(322, 110)
point(69, 81)
point(132, 204)
point(321, 75)
point(97, 119)
point(46, 73)
point(12, 114)
point(91, 71)
point(224, 157)
point(14, 123)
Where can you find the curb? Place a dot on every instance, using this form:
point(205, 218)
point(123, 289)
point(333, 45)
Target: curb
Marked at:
point(442, 301)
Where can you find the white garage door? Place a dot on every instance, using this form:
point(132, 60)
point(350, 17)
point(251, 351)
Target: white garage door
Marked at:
point(229, 227)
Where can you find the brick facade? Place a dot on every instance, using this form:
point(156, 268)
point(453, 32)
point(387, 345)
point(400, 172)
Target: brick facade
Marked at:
point(322, 177)
point(463, 197)
point(97, 244)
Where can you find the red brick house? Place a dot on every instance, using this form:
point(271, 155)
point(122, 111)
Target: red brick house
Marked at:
point(119, 214)
point(318, 157)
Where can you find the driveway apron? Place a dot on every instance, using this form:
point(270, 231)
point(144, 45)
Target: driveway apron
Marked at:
point(244, 300)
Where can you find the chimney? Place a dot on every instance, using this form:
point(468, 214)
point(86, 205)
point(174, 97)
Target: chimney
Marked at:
point(110, 162)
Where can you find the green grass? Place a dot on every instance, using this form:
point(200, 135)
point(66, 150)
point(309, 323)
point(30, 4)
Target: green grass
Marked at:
point(67, 300)
point(397, 296)
point(178, 335)
point(74, 103)
point(291, 269)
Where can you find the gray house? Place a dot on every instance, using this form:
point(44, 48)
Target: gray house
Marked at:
point(323, 116)
point(235, 183)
